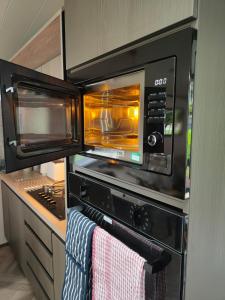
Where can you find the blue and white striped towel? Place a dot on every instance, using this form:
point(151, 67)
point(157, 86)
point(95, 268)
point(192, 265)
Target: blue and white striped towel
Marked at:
point(77, 282)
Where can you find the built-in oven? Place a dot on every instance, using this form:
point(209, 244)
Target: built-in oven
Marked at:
point(158, 233)
point(128, 115)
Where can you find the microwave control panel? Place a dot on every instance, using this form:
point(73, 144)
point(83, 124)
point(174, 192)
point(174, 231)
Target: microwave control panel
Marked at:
point(159, 115)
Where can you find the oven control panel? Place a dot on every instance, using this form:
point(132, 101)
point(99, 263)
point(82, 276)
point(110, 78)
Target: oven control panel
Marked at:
point(141, 214)
point(159, 115)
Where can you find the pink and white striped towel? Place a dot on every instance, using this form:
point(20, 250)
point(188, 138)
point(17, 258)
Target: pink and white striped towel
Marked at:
point(118, 271)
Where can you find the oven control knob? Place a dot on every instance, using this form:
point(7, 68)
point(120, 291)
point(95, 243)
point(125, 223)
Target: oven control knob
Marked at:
point(137, 217)
point(83, 191)
point(155, 139)
point(140, 217)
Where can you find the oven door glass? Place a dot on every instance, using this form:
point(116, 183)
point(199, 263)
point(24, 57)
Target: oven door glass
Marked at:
point(113, 117)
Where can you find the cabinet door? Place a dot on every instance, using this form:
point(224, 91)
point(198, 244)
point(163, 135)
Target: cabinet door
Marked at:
point(58, 265)
point(5, 205)
point(16, 226)
point(98, 26)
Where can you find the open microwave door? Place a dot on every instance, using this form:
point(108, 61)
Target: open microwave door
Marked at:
point(41, 118)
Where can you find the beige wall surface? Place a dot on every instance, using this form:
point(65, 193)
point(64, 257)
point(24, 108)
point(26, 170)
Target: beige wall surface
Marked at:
point(21, 19)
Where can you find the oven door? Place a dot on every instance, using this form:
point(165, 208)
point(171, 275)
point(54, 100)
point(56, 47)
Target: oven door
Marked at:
point(166, 282)
point(41, 118)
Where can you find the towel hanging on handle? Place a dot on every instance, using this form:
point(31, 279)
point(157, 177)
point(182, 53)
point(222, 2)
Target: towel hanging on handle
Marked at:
point(155, 282)
point(77, 282)
point(118, 271)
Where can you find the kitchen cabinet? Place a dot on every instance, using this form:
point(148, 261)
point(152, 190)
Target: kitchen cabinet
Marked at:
point(41, 230)
point(39, 272)
point(96, 27)
point(5, 206)
point(39, 252)
point(14, 223)
point(38, 291)
point(58, 265)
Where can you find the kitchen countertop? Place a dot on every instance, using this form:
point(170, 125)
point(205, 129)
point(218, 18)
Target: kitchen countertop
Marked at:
point(20, 180)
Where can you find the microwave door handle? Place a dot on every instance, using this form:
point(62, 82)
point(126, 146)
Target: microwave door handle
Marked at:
point(13, 144)
point(20, 153)
point(11, 92)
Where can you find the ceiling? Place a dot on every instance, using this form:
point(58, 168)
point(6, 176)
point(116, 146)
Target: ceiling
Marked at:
point(20, 20)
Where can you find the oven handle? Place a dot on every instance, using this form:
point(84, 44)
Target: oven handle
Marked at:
point(155, 266)
point(159, 263)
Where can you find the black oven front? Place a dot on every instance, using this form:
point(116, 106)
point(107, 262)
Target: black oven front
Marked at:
point(142, 225)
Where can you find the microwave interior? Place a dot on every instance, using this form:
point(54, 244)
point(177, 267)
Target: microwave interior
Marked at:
point(113, 117)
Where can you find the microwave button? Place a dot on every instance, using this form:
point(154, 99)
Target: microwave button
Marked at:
point(162, 94)
point(157, 104)
point(157, 96)
point(156, 112)
point(155, 120)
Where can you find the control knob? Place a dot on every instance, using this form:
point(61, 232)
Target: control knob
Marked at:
point(137, 217)
point(83, 190)
point(140, 217)
point(154, 139)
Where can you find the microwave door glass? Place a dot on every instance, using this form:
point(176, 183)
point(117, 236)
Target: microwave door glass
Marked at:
point(42, 118)
point(113, 118)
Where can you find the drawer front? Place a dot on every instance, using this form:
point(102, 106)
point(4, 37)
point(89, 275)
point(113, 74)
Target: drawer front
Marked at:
point(40, 229)
point(38, 291)
point(40, 273)
point(39, 250)
point(59, 258)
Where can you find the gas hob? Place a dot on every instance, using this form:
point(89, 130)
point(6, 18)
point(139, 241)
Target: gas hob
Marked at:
point(52, 197)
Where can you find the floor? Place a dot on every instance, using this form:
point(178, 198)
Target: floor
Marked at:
point(13, 284)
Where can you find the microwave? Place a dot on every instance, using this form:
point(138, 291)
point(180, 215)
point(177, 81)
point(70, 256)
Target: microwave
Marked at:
point(126, 116)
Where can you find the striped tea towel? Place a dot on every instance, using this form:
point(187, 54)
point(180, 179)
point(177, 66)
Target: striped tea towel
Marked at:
point(77, 282)
point(118, 271)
